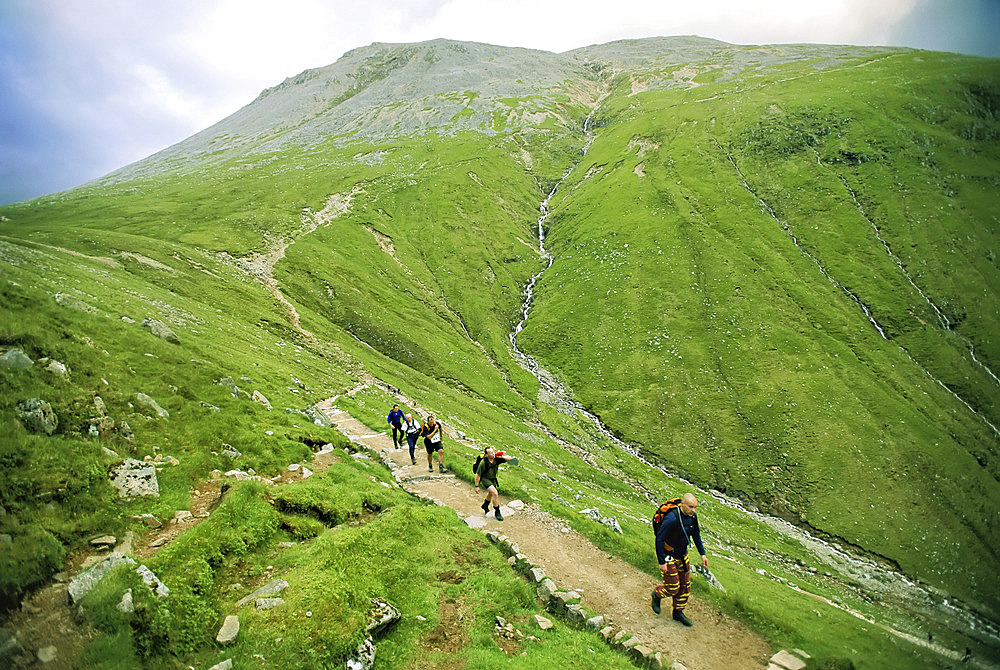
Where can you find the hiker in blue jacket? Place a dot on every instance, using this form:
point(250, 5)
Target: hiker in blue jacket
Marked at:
point(672, 539)
point(395, 419)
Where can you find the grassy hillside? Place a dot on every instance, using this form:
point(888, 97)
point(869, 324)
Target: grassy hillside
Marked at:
point(713, 249)
point(715, 245)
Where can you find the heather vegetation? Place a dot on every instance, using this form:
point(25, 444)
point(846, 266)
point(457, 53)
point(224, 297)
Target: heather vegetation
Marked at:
point(715, 252)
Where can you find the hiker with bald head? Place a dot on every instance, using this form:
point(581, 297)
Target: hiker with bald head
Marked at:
point(676, 525)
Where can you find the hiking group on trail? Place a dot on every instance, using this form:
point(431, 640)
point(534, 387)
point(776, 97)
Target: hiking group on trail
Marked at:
point(675, 523)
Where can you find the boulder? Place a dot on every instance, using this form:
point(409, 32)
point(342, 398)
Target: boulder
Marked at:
point(270, 589)
point(57, 368)
point(47, 654)
point(152, 581)
point(15, 359)
point(161, 330)
point(10, 645)
point(259, 397)
point(133, 479)
point(126, 605)
point(542, 622)
point(146, 401)
point(37, 416)
point(318, 417)
point(230, 629)
point(224, 665)
point(228, 382)
point(81, 585)
point(268, 603)
point(66, 300)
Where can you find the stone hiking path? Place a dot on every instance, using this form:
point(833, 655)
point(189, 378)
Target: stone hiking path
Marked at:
point(609, 586)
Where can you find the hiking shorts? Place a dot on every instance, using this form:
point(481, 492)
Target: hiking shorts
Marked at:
point(432, 446)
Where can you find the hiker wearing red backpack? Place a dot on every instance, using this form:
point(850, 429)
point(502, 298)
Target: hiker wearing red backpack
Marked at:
point(676, 524)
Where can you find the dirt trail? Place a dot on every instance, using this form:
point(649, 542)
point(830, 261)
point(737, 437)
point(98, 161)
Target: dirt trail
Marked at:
point(608, 585)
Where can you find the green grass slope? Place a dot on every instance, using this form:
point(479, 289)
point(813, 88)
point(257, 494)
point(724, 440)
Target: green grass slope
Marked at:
point(679, 309)
point(711, 254)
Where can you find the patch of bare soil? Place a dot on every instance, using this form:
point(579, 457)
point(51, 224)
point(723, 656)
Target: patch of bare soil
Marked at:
point(608, 585)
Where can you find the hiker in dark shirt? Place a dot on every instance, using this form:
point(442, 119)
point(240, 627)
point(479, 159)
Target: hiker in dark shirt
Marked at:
point(486, 476)
point(432, 433)
point(679, 526)
point(395, 419)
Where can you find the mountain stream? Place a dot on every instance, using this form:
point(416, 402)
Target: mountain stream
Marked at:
point(865, 578)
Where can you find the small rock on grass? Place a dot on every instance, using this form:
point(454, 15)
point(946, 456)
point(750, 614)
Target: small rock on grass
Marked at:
point(542, 622)
point(230, 629)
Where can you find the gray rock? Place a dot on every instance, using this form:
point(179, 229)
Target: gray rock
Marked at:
point(146, 401)
point(363, 657)
point(128, 319)
point(268, 603)
point(259, 397)
point(126, 605)
point(152, 581)
point(99, 406)
point(545, 589)
point(66, 300)
point(381, 616)
point(161, 330)
point(318, 417)
point(228, 382)
point(47, 654)
point(133, 479)
point(55, 367)
point(788, 661)
point(542, 622)
point(151, 521)
point(15, 359)
point(37, 416)
point(537, 575)
point(595, 622)
point(575, 613)
point(227, 450)
point(224, 665)
point(104, 541)
point(239, 475)
point(272, 588)
point(10, 645)
point(230, 629)
point(81, 585)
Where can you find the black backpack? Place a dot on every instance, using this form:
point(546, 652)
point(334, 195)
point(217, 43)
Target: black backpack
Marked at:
point(475, 468)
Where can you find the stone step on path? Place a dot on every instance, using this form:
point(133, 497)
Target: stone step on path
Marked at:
point(608, 585)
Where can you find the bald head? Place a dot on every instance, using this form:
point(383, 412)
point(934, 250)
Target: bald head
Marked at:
point(689, 504)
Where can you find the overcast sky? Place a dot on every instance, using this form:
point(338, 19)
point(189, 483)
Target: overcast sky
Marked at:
point(87, 86)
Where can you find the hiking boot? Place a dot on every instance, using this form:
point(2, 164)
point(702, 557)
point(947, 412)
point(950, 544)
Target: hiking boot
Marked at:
point(656, 603)
point(496, 513)
point(413, 461)
point(486, 506)
point(440, 468)
point(430, 468)
point(680, 616)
